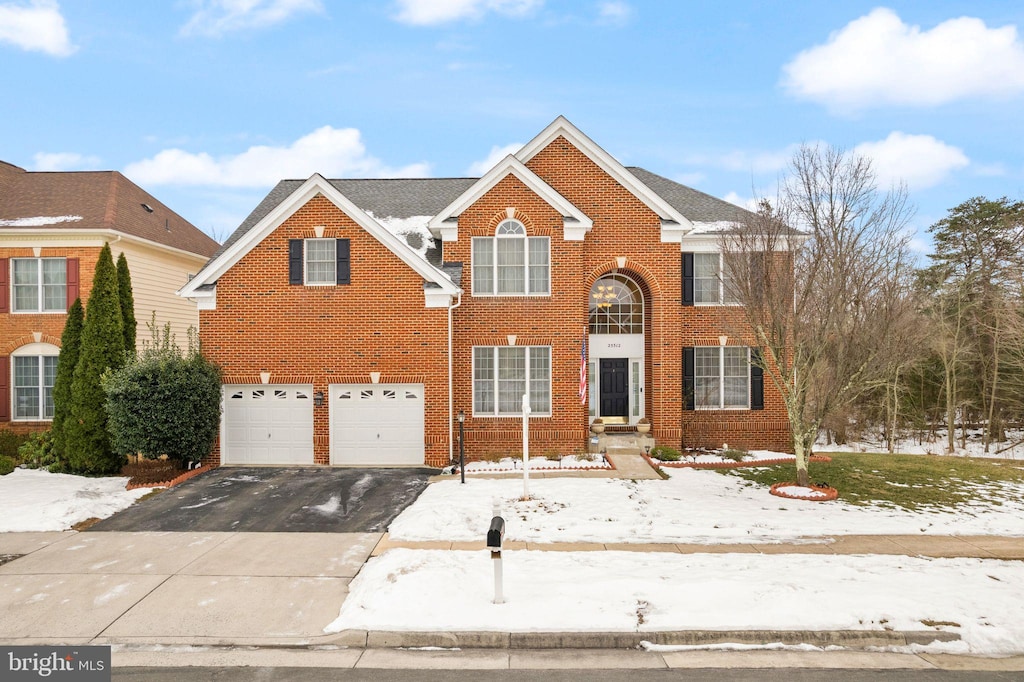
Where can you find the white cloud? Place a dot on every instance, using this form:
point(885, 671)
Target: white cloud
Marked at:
point(749, 203)
point(614, 12)
point(496, 155)
point(878, 60)
point(431, 12)
point(37, 26)
point(216, 17)
point(63, 161)
point(919, 160)
point(332, 152)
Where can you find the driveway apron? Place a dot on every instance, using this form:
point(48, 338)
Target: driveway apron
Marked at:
point(271, 499)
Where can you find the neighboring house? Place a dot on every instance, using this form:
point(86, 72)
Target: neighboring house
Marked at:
point(354, 319)
point(52, 227)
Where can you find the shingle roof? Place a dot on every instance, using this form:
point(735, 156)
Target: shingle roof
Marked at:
point(102, 200)
point(405, 198)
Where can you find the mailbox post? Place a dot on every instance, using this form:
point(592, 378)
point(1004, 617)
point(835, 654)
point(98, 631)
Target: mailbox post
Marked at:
point(495, 535)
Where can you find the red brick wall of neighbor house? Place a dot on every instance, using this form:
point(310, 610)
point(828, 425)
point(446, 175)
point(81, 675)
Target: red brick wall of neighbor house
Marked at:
point(623, 227)
point(333, 334)
point(16, 329)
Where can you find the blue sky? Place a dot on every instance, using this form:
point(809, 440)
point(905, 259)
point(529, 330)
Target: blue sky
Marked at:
point(207, 103)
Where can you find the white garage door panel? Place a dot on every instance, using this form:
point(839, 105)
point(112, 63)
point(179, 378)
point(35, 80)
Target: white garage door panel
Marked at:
point(265, 424)
point(377, 424)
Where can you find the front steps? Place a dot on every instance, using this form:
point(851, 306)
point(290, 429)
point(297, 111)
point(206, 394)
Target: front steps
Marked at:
point(625, 451)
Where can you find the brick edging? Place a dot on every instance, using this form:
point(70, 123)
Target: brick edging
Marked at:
point(732, 465)
point(829, 492)
point(173, 482)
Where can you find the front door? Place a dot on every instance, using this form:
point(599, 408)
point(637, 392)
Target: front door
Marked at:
point(615, 390)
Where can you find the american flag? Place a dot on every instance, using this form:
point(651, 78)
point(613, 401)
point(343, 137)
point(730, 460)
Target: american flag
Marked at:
point(583, 371)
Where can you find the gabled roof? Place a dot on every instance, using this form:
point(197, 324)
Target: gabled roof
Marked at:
point(697, 206)
point(575, 220)
point(93, 200)
point(561, 127)
point(276, 210)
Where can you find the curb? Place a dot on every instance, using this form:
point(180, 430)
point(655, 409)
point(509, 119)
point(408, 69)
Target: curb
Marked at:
point(850, 639)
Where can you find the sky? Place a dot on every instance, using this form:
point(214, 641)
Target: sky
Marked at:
point(208, 103)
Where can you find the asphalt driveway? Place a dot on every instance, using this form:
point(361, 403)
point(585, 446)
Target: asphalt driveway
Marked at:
point(265, 499)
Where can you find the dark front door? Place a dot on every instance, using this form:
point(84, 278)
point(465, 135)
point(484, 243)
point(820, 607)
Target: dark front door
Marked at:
point(615, 389)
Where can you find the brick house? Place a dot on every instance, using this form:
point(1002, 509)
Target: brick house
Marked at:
point(52, 227)
point(354, 319)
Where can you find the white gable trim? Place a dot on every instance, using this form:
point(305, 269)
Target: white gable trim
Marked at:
point(562, 127)
point(575, 224)
point(316, 184)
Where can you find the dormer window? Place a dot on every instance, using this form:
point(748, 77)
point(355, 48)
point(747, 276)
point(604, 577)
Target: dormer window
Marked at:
point(510, 263)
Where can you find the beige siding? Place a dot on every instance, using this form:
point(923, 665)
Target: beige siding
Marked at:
point(156, 276)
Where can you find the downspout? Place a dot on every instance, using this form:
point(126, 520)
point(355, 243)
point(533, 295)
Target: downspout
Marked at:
point(451, 390)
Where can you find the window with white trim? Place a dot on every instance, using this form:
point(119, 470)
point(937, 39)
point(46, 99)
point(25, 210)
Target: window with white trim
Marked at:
point(34, 376)
point(721, 377)
point(510, 263)
point(321, 261)
point(39, 284)
point(502, 375)
point(711, 280)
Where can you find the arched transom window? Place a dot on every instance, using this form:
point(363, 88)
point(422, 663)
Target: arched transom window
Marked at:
point(510, 263)
point(616, 306)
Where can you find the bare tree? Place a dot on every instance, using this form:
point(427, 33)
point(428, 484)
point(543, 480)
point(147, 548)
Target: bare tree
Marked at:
point(823, 276)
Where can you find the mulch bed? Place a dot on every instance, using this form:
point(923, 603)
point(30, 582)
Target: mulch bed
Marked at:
point(157, 473)
point(828, 493)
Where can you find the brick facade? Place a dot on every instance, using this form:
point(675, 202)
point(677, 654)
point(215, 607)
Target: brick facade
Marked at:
point(378, 322)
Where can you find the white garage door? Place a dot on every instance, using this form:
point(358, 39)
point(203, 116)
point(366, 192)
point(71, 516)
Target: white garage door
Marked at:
point(376, 424)
point(268, 424)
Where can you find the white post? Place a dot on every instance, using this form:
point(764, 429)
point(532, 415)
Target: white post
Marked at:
point(499, 596)
point(526, 447)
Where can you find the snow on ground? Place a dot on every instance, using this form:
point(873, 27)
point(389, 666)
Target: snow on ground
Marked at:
point(405, 589)
point(36, 500)
point(973, 447)
point(693, 506)
point(511, 464)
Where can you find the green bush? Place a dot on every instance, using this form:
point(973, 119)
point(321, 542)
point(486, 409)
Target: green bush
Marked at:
point(70, 344)
point(164, 402)
point(734, 454)
point(40, 452)
point(6, 465)
point(10, 442)
point(666, 453)
point(127, 298)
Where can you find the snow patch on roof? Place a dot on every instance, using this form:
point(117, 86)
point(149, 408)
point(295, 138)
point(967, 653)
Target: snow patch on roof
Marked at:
point(39, 221)
point(412, 230)
point(712, 227)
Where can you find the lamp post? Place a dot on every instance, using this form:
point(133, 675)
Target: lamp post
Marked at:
point(462, 448)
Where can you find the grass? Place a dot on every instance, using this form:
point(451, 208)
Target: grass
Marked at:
point(914, 482)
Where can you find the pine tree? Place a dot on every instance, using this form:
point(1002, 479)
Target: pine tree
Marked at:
point(70, 345)
point(88, 444)
point(124, 289)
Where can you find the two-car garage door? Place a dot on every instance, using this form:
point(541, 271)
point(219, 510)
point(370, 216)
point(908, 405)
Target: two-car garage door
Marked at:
point(370, 424)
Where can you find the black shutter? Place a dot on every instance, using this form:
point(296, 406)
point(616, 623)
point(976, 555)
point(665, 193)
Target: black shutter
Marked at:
point(756, 381)
point(344, 261)
point(295, 261)
point(688, 372)
point(688, 279)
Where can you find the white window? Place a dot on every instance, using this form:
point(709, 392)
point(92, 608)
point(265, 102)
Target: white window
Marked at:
point(34, 376)
point(711, 280)
point(321, 261)
point(40, 285)
point(502, 375)
point(510, 263)
point(721, 377)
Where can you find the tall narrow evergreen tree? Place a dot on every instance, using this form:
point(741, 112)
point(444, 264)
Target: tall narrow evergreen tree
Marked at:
point(70, 345)
point(124, 290)
point(88, 443)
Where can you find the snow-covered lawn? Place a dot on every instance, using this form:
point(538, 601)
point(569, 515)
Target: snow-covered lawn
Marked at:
point(406, 589)
point(515, 464)
point(36, 500)
point(691, 507)
point(974, 446)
